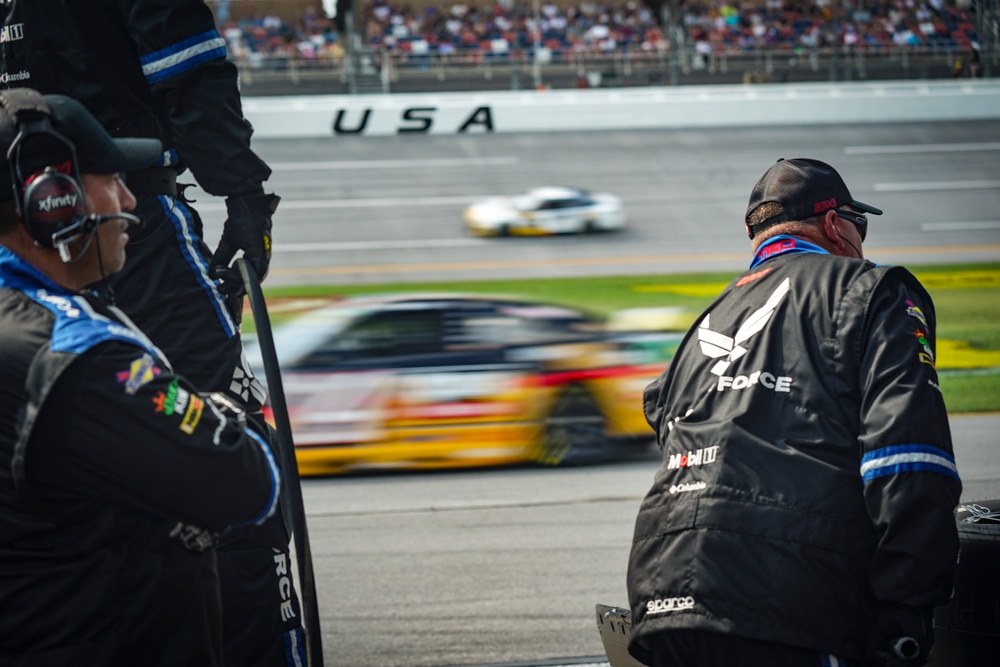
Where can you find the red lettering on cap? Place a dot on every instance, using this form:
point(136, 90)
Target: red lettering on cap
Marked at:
point(825, 205)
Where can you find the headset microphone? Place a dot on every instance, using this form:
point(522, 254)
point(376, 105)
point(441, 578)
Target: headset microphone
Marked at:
point(83, 226)
point(132, 220)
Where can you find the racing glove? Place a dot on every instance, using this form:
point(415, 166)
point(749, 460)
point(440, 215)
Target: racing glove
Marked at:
point(901, 637)
point(247, 228)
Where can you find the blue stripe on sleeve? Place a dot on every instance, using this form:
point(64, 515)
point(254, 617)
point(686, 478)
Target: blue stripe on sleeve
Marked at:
point(907, 458)
point(295, 650)
point(272, 502)
point(183, 55)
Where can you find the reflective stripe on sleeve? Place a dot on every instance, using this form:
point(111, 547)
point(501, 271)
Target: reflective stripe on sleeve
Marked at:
point(182, 56)
point(907, 458)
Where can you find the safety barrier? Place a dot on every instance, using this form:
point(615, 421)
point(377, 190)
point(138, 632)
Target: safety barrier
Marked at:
point(618, 109)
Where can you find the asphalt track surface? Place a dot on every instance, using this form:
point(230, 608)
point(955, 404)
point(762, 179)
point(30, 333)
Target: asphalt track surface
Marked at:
point(499, 567)
point(505, 566)
point(386, 209)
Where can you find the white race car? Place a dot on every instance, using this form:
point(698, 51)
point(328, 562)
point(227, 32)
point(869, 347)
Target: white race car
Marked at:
point(546, 210)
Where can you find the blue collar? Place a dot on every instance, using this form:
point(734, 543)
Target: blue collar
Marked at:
point(78, 326)
point(783, 245)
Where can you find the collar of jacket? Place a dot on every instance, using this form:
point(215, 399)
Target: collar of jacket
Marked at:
point(78, 325)
point(783, 245)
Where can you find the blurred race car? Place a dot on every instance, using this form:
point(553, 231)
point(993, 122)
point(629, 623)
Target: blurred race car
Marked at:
point(437, 381)
point(546, 210)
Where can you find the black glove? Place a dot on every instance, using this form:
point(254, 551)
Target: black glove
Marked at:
point(248, 228)
point(901, 637)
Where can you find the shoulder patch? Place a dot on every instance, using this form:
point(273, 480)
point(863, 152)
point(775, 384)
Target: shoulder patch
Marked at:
point(139, 372)
point(913, 310)
point(753, 276)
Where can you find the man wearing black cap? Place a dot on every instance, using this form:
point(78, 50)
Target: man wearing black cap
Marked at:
point(803, 511)
point(115, 474)
point(158, 69)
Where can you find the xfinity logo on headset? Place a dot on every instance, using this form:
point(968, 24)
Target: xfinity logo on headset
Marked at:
point(54, 203)
point(719, 346)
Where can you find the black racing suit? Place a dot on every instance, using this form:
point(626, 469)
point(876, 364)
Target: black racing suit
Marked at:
point(808, 476)
point(114, 473)
point(157, 68)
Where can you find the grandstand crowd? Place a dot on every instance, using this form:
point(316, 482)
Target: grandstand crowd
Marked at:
point(511, 27)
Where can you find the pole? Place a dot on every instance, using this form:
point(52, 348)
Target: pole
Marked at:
point(537, 65)
point(291, 488)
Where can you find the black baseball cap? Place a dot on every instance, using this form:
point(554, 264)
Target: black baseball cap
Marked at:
point(805, 188)
point(95, 150)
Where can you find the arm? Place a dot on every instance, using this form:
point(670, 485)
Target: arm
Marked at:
point(145, 440)
point(911, 484)
point(195, 93)
point(194, 90)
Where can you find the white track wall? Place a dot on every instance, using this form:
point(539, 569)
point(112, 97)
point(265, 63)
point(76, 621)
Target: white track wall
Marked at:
point(623, 108)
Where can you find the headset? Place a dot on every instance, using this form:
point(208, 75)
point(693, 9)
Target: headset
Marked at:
point(49, 198)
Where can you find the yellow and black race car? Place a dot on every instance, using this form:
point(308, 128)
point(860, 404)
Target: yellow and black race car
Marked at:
point(445, 380)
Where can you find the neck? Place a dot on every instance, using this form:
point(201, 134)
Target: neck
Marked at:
point(46, 260)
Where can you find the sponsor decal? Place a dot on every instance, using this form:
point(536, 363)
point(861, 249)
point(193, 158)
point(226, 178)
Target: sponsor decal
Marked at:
point(691, 486)
point(926, 356)
point(11, 33)
point(776, 248)
point(194, 538)
point(51, 203)
point(284, 584)
point(667, 605)
point(67, 306)
point(824, 205)
point(778, 383)
point(10, 77)
point(716, 345)
point(753, 276)
point(696, 458)
point(174, 401)
point(913, 310)
point(193, 415)
point(244, 384)
point(140, 372)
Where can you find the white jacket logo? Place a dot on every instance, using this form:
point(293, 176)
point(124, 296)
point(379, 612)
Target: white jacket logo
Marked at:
point(667, 605)
point(716, 345)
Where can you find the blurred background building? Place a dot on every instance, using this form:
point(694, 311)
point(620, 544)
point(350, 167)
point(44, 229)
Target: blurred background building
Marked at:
point(380, 46)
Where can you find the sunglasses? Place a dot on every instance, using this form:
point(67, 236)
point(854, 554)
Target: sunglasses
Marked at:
point(860, 221)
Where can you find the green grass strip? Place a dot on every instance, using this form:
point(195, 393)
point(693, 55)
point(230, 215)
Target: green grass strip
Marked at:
point(967, 299)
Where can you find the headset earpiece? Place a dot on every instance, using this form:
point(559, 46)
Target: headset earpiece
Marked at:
point(49, 195)
point(53, 208)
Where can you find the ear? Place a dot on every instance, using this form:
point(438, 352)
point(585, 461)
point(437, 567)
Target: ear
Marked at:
point(830, 230)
